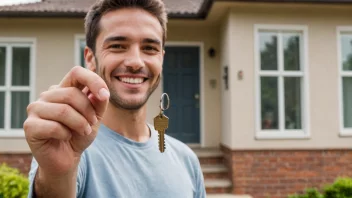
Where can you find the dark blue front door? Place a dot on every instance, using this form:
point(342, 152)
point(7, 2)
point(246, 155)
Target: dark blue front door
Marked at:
point(181, 82)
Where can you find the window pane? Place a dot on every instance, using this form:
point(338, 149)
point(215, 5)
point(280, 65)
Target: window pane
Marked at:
point(269, 102)
point(20, 66)
point(19, 103)
point(268, 51)
point(291, 52)
point(347, 101)
point(346, 44)
point(293, 103)
point(2, 110)
point(2, 65)
point(82, 45)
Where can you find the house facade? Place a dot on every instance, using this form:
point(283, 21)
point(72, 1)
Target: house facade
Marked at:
point(268, 82)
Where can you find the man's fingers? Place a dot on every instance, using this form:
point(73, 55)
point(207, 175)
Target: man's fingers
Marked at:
point(53, 87)
point(63, 114)
point(98, 106)
point(39, 129)
point(73, 97)
point(80, 78)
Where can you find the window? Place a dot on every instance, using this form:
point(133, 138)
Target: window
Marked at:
point(16, 85)
point(80, 44)
point(345, 70)
point(281, 75)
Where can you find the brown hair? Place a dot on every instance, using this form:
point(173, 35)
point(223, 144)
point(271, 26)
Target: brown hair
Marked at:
point(101, 7)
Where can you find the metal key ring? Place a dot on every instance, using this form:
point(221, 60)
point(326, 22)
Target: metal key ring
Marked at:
point(161, 102)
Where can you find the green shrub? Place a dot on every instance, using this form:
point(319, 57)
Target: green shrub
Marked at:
point(12, 183)
point(309, 193)
point(341, 188)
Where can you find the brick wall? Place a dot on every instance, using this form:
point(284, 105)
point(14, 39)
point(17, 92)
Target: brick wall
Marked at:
point(276, 174)
point(20, 161)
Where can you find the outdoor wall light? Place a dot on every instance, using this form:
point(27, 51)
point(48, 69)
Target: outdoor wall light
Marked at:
point(226, 77)
point(211, 52)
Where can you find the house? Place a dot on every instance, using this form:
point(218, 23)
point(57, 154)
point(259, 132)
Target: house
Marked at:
point(264, 82)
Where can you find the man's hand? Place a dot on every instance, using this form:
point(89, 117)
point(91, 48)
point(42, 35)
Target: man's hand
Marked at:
point(64, 121)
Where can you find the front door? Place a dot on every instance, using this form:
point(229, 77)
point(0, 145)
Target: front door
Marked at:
point(181, 83)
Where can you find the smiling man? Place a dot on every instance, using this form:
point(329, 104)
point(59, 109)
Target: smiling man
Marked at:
point(89, 135)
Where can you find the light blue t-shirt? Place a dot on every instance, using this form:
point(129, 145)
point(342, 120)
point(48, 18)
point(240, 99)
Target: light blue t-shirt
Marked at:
point(116, 167)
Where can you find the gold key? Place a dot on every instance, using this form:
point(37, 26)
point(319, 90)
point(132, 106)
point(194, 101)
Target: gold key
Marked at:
point(161, 122)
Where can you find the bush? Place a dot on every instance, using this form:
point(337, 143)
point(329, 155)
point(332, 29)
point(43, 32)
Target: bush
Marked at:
point(12, 183)
point(310, 193)
point(341, 188)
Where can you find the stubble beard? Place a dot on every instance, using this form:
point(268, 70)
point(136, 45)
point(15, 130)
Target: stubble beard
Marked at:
point(118, 101)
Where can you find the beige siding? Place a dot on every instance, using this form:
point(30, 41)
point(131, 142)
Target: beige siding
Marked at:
point(55, 57)
point(322, 66)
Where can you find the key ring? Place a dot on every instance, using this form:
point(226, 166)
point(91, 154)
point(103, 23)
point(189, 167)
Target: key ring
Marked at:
point(162, 108)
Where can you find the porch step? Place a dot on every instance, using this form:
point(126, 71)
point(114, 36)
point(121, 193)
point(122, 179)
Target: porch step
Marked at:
point(213, 168)
point(209, 155)
point(217, 186)
point(217, 183)
point(215, 171)
point(227, 196)
point(208, 152)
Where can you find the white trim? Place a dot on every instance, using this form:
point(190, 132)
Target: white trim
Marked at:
point(201, 83)
point(283, 133)
point(11, 42)
point(344, 132)
point(77, 45)
point(15, 133)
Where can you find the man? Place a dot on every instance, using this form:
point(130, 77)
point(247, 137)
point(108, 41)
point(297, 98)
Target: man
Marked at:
point(89, 136)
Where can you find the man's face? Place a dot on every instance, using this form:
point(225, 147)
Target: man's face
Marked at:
point(129, 56)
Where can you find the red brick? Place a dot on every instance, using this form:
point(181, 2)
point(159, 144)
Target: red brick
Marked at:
point(277, 174)
point(20, 161)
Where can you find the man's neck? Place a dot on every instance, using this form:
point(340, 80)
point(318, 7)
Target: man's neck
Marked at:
point(128, 123)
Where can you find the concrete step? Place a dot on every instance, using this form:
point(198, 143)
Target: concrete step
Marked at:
point(213, 168)
point(217, 183)
point(207, 152)
point(209, 155)
point(228, 196)
point(215, 171)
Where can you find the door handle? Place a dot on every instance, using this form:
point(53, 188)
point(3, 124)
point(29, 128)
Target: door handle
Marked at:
point(196, 96)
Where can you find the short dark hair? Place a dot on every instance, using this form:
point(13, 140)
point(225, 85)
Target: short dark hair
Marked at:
point(101, 7)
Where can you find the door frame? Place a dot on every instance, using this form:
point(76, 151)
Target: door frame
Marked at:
point(201, 83)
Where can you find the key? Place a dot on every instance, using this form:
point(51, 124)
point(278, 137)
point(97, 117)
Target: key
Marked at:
point(161, 123)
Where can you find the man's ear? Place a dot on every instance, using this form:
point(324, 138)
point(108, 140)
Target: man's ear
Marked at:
point(90, 59)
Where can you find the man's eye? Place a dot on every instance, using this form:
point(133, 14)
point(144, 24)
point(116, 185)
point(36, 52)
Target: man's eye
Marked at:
point(116, 46)
point(150, 48)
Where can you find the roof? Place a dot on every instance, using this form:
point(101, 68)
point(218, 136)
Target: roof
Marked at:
point(175, 8)
point(78, 8)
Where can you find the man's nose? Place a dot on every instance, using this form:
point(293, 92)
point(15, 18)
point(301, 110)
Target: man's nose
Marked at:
point(133, 58)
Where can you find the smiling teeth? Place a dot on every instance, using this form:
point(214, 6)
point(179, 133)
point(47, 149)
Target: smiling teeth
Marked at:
point(132, 80)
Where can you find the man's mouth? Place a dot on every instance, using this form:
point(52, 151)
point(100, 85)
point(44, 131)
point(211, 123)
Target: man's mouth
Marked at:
point(129, 80)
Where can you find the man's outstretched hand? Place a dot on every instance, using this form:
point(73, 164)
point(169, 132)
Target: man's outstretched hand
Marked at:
point(64, 121)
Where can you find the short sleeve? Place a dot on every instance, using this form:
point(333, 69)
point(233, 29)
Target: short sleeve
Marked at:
point(200, 191)
point(31, 177)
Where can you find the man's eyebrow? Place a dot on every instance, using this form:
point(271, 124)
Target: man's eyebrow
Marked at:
point(115, 38)
point(151, 41)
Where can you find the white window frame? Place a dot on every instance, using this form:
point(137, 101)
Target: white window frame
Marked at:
point(17, 42)
point(77, 45)
point(283, 133)
point(344, 132)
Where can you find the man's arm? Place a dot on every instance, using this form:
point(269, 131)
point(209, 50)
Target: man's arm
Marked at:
point(61, 124)
point(54, 186)
point(41, 186)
